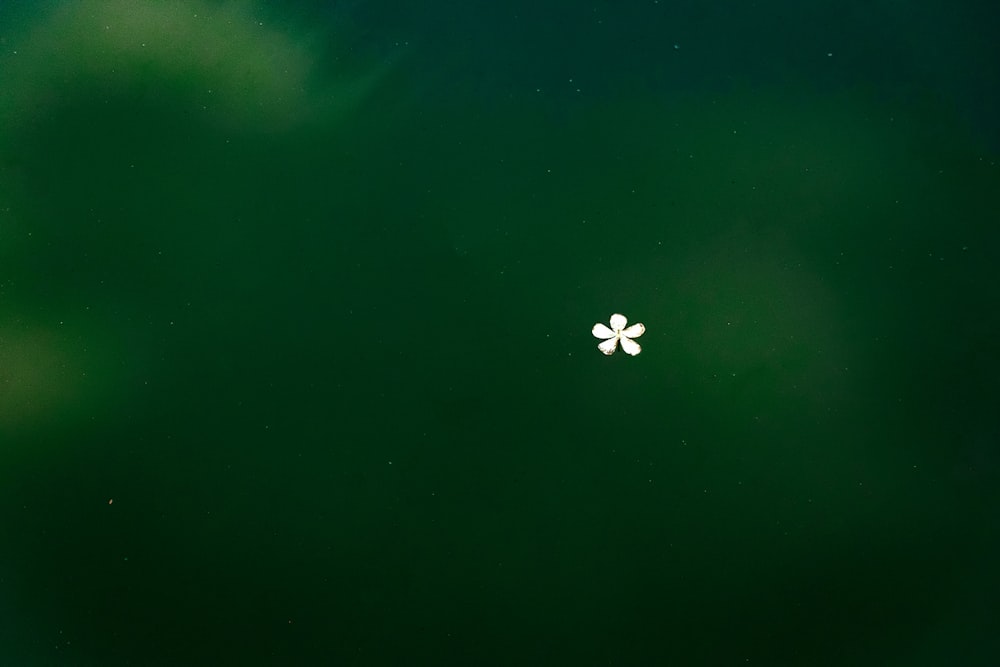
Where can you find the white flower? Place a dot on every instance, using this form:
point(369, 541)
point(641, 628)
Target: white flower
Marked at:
point(618, 332)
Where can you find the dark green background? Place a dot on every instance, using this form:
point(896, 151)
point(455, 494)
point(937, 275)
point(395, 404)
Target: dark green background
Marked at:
point(337, 374)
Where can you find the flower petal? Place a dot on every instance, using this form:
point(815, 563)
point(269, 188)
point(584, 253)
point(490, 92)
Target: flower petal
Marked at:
point(602, 331)
point(634, 331)
point(630, 346)
point(618, 321)
point(608, 346)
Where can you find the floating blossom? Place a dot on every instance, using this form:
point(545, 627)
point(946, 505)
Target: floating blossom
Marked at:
point(618, 332)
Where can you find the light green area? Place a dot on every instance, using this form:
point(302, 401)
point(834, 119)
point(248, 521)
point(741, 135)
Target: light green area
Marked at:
point(236, 67)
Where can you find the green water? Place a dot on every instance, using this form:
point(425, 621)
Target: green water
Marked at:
point(295, 353)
